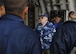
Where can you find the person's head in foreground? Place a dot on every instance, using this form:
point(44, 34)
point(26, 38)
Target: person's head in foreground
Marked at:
point(17, 7)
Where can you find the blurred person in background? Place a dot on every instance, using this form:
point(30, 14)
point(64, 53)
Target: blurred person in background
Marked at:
point(57, 21)
point(65, 37)
point(45, 30)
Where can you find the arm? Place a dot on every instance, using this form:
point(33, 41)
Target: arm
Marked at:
point(62, 42)
point(36, 49)
point(35, 45)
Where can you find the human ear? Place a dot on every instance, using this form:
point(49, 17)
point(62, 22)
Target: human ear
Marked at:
point(26, 10)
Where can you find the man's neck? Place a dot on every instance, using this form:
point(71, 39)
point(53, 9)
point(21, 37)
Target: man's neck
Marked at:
point(43, 24)
point(73, 20)
point(21, 15)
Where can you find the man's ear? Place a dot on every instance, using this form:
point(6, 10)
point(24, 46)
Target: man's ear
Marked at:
point(26, 10)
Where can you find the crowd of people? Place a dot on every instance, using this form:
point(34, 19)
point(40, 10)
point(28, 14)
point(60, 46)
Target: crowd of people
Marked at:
point(55, 37)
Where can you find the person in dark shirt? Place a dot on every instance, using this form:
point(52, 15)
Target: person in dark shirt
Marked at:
point(65, 37)
point(15, 37)
point(57, 21)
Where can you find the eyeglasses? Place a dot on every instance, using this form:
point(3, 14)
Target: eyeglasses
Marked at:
point(41, 17)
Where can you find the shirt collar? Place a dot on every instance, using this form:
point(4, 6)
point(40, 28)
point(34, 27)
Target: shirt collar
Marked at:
point(73, 20)
point(45, 24)
point(12, 17)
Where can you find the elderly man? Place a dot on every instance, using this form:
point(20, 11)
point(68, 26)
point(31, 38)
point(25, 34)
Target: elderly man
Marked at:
point(45, 30)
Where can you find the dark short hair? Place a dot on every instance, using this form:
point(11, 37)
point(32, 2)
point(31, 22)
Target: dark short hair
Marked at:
point(15, 6)
point(1, 2)
point(70, 13)
point(57, 15)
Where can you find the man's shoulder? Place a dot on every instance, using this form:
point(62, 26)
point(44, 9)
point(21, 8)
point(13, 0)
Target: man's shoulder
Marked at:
point(50, 25)
point(69, 23)
point(27, 29)
point(17, 28)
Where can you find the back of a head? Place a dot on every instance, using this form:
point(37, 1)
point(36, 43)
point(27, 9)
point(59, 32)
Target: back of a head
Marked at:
point(15, 6)
point(1, 3)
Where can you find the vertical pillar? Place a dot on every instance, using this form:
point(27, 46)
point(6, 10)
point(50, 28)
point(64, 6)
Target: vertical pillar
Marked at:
point(42, 6)
point(36, 16)
point(71, 5)
point(54, 2)
point(63, 4)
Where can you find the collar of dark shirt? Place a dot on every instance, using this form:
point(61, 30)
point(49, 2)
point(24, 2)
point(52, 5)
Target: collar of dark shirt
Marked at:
point(12, 17)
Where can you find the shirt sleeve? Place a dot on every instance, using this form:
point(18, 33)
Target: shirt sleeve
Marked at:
point(52, 27)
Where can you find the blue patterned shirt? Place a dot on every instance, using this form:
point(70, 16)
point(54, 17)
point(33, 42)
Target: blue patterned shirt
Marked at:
point(46, 33)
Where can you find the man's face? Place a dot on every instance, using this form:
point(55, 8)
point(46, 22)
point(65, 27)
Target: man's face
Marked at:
point(73, 15)
point(57, 19)
point(43, 19)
